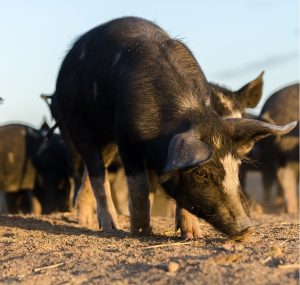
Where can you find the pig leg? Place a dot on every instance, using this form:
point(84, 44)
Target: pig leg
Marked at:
point(267, 179)
point(138, 189)
point(188, 224)
point(85, 202)
point(36, 205)
point(153, 180)
point(3, 203)
point(120, 192)
point(106, 212)
point(71, 194)
point(287, 178)
point(139, 203)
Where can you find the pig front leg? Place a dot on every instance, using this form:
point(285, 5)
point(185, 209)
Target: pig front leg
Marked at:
point(267, 179)
point(139, 190)
point(187, 223)
point(3, 203)
point(139, 204)
point(154, 185)
point(287, 179)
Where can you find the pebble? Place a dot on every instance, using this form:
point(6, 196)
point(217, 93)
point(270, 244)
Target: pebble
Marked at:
point(276, 251)
point(173, 267)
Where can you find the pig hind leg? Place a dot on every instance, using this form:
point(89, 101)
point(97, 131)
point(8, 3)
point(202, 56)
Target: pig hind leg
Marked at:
point(95, 161)
point(107, 216)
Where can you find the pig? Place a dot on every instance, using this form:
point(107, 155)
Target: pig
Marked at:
point(277, 157)
point(127, 85)
point(226, 103)
point(34, 176)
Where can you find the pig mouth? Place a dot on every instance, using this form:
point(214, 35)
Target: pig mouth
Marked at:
point(232, 229)
point(243, 234)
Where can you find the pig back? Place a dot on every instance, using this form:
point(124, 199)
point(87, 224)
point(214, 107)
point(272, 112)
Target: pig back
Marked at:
point(283, 106)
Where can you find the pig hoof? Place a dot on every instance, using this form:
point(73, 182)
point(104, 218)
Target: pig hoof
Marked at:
point(256, 208)
point(244, 235)
point(292, 210)
point(108, 224)
point(108, 229)
point(141, 231)
point(85, 218)
point(191, 234)
point(188, 224)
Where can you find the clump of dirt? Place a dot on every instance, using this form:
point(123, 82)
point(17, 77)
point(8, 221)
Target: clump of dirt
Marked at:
point(54, 249)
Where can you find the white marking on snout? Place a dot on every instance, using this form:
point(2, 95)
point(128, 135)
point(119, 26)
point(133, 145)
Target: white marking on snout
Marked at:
point(95, 90)
point(116, 58)
point(231, 180)
point(229, 105)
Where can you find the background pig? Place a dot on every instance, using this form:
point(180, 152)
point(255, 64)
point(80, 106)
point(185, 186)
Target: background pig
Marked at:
point(34, 176)
point(127, 84)
point(277, 157)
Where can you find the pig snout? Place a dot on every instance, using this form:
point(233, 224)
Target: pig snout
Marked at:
point(243, 227)
point(232, 220)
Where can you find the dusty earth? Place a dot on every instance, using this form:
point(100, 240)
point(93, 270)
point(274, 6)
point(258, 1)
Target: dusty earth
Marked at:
point(55, 250)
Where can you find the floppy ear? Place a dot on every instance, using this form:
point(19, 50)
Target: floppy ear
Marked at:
point(250, 94)
point(185, 150)
point(247, 131)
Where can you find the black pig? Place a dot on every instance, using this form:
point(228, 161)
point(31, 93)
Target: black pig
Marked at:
point(126, 84)
point(33, 171)
point(277, 157)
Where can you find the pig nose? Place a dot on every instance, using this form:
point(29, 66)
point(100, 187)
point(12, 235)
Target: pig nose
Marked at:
point(245, 228)
point(247, 231)
point(245, 225)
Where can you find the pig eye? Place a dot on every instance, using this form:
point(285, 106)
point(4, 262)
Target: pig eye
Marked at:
point(200, 174)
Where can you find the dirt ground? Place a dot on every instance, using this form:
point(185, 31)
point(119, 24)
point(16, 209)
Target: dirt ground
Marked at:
point(55, 250)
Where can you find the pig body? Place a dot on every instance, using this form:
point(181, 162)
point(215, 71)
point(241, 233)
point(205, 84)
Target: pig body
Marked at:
point(126, 84)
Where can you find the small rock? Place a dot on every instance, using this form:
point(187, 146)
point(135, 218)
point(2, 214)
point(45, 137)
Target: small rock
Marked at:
point(225, 259)
point(276, 251)
point(228, 245)
point(239, 246)
point(173, 267)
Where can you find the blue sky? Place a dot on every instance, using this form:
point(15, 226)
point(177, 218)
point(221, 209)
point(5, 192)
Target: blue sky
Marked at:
point(233, 40)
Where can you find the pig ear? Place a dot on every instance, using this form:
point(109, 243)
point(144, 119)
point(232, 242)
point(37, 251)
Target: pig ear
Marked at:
point(246, 132)
point(185, 151)
point(250, 94)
